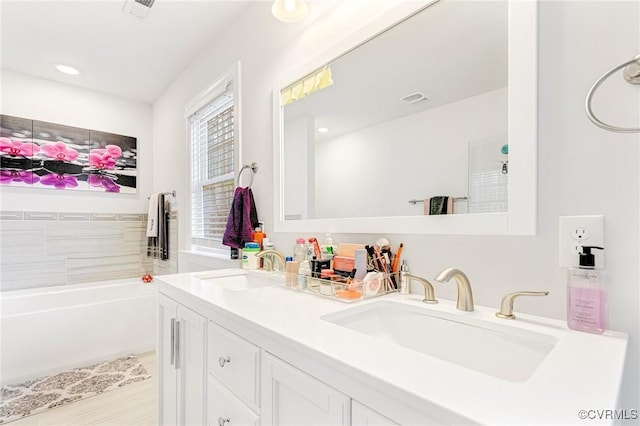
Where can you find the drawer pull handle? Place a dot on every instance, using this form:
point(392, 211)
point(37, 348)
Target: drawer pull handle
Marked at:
point(222, 421)
point(222, 361)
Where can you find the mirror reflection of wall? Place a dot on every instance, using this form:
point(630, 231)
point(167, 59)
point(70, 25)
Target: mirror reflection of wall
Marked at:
point(357, 149)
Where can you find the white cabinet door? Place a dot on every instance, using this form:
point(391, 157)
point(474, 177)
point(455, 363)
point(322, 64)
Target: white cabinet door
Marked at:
point(291, 397)
point(168, 373)
point(182, 366)
point(362, 415)
point(191, 333)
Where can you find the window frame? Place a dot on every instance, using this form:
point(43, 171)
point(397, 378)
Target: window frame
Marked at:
point(201, 100)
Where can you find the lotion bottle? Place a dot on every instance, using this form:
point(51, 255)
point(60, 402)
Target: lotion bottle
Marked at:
point(587, 295)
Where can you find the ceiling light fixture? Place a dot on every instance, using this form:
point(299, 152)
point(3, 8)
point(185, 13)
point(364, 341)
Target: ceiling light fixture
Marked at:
point(289, 10)
point(67, 69)
point(323, 129)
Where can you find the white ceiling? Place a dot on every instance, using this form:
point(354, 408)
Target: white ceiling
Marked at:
point(116, 53)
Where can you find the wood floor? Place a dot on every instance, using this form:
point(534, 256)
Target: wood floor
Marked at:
point(134, 404)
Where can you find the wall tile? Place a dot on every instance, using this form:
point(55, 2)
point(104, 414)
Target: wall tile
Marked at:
point(10, 215)
point(104, 217)
point(40, 216)
point(74, 216)
point(46, 249)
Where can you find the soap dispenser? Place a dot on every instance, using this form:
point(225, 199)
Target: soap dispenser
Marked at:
point(586, 295)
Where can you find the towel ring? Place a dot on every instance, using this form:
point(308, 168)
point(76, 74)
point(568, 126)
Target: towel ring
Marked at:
point(631, 75)
point(254, 170)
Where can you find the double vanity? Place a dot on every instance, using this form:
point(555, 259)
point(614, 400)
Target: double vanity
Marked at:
point(237, 347)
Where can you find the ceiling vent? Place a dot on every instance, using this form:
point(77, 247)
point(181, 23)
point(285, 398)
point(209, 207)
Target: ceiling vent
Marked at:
point(138, 8)
point(414, 98)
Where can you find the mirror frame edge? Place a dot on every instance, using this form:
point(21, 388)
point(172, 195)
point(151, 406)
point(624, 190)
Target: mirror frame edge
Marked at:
point(521, 217)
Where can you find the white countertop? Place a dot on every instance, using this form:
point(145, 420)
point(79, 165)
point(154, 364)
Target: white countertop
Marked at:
point(582, 372)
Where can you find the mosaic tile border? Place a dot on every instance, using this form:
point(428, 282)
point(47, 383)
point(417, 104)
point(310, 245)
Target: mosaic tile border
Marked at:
point(77, 216)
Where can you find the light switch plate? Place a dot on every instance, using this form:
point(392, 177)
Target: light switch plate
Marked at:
point(576, 232)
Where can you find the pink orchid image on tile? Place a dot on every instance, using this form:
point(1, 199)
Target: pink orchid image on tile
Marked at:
point(103, 181)
point(101, 159)
point(12, 176)
point(18, 148)
point(59, 181)
point(59, 151)
point(114, 150)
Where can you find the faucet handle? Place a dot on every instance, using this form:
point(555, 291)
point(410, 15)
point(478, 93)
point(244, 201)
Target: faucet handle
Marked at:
point(506, 306)
point(429, 296)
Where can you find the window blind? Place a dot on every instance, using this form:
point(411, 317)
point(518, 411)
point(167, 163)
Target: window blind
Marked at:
point(212, 169)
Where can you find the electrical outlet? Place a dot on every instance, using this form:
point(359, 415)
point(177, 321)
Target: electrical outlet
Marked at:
point(580, 233)
point(576, 232)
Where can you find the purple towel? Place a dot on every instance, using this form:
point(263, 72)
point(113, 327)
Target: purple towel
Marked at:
point(243, 219)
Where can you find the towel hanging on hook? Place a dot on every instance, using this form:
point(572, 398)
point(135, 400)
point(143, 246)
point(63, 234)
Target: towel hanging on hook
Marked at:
point(632, 76)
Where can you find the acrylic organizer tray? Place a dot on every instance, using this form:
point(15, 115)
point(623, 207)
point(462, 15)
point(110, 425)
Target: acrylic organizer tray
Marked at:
point(376, 285)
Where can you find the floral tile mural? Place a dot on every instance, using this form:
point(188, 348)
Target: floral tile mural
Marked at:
point(48, 155)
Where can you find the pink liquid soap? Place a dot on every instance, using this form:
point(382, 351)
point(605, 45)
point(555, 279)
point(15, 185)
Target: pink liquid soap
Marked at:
point(586, 309)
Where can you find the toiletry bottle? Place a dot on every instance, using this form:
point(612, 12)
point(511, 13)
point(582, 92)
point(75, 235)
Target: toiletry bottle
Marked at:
point(586, 295)
point(328, 250)
point(304, 270)
point(249, 258)
point(404, 281)
point(300, 251)
point(268, 245)
point(258, 234)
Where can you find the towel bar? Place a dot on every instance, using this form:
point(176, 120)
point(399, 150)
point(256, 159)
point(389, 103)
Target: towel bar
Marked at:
point(632, 76)
point(172, 193)
point(254, 170)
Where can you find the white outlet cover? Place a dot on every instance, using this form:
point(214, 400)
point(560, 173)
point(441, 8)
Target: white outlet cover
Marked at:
point(594, 226)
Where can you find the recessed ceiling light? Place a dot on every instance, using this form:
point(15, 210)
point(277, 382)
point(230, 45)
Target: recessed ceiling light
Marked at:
point(323, 129)
point(19, 135)
point(67, 69)
point(289, 10)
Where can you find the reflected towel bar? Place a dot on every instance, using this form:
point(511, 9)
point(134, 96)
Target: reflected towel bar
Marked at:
point(414, 201)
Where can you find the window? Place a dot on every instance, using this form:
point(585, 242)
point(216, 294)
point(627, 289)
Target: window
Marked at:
point(214, 145)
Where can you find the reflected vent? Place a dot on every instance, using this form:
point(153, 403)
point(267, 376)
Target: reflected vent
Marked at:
point(414, 98)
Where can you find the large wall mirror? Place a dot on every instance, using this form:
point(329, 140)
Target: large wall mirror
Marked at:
point(371, 137)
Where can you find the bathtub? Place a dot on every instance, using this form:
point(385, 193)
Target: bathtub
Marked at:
point(46, 330)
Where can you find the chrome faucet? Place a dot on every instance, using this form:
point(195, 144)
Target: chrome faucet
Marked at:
point(506, 307)
point(465, 297)
point(429, 296)
point(269, 261)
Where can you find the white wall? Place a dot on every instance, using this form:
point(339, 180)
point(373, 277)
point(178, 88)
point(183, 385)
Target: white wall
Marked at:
point(582, 169)
point(376, 170)
point(39, 99)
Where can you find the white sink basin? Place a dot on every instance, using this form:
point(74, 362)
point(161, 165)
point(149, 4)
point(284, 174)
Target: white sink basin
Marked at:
point(499, 350)
point(240, 281)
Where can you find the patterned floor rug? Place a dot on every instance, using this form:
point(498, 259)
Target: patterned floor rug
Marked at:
point(35, 396)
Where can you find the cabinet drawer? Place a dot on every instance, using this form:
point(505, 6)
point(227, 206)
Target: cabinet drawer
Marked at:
point(236, 363)
point(224, 409)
